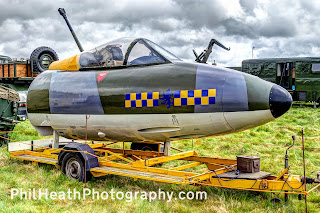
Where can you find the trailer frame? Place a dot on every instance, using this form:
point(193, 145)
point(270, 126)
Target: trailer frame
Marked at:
point(139, 164)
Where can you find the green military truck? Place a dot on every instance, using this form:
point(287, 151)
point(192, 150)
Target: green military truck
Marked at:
point(15, 79)
point(9, 100)
point(300, 76)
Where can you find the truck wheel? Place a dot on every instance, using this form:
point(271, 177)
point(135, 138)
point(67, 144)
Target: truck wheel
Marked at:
point(4, 141)
point(42, 57)
point(73, 167)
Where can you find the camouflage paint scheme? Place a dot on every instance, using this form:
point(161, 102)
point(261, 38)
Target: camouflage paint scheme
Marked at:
point(152, 102)
point(304, 85)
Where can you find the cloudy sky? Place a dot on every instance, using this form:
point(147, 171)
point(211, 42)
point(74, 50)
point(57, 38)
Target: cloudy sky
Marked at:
point(278, 28)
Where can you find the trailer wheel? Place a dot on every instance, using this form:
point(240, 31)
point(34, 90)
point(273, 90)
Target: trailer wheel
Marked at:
point(73, 167)
point(276, 200)
point(42, 57)
point(144, 147)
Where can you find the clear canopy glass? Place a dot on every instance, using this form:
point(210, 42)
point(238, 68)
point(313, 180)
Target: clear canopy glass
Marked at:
point(125, 51)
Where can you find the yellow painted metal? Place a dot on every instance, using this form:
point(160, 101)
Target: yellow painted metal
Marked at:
point(97, 171)
point(212, 166)
point(208, 175)
point(39, 161)
point(258, 184)
point(211, 160)
point(141, 169)
point(49, 153)
point(130, 152)
point(71, 63)
point(119, 156)
point(136, 157)
point(19, 154)
point(98, 145)
point(292, 181)
point(112, 157)
point(187, 166)
point(282, 173)
point(46, 153)
point(163, 159)
point(148, 169)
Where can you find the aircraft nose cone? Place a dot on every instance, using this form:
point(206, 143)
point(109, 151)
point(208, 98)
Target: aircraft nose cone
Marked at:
point(280, 101)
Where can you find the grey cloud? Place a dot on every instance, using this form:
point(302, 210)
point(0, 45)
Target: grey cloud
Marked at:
point(249, 5)
point(165, 25)
point(10, 30)
point(199, 14)
point(278, 27)
point(236, 27)
point(21, 10)
point(178, 25)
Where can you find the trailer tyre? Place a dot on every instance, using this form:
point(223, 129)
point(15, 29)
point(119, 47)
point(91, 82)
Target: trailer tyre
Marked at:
point(73, 167)
point(144, 147)
point(42, 57)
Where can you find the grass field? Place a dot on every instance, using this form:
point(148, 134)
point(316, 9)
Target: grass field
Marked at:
point(15, 173)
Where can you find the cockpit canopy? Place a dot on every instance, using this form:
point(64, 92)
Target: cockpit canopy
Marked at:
point(125, 51)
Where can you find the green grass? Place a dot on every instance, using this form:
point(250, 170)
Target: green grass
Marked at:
point(15, 173)
point(24, 131)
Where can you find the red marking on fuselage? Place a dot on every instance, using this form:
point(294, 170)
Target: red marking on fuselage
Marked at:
point(101, 76)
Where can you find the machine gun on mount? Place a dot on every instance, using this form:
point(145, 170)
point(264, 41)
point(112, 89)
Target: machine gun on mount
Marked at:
point(203, 57)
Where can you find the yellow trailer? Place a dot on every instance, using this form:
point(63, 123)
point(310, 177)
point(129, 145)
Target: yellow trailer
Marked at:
point(82, 161)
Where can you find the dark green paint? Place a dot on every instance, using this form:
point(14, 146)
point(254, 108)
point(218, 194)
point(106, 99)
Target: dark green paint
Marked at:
point(117, 83)
point(258, 94)
point(38, 97)
point(306, 81)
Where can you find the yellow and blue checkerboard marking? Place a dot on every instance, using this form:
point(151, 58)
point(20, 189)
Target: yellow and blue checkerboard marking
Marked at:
point(145, 99)
point(194, 97)
point(180, 98)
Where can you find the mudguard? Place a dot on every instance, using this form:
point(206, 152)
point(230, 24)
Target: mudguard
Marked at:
point(90, 159)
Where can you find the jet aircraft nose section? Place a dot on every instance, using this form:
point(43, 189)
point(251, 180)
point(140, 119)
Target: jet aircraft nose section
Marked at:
point(280, 101)
point(245, 100)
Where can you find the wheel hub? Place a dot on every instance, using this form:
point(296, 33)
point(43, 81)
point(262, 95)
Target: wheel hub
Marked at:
point(73, 168)
point(45, 61)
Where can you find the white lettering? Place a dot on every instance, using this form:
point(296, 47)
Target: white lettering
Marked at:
point(86, 192)
point(170, 195)
point(45, 193)
point(53, 195)
point(152, 196)
point(104, 195)
point(14, 192)
point(121, 197)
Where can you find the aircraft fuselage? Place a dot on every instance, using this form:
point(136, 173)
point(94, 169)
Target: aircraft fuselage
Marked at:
point(152, 103)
